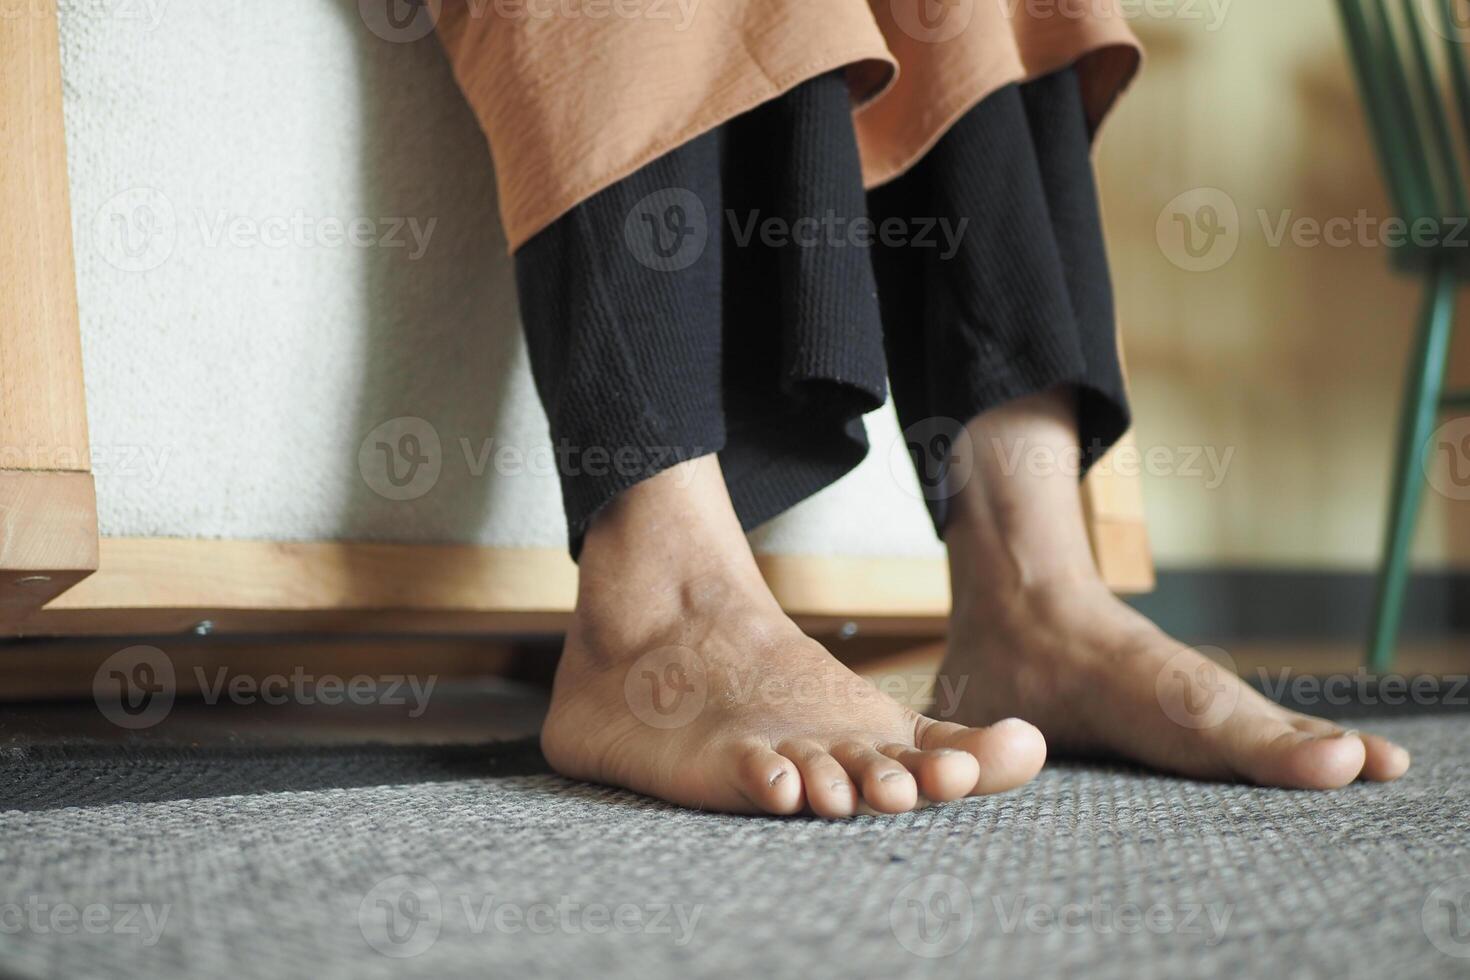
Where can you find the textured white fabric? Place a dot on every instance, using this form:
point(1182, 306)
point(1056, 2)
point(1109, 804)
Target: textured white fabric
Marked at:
point(243, 338)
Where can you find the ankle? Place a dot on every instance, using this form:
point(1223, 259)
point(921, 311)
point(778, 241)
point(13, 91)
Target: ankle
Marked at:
point(674, 526)
point(666, 553)
point(1000, 594)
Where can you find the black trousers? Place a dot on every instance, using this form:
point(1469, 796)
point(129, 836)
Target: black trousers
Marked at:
point(742, 295)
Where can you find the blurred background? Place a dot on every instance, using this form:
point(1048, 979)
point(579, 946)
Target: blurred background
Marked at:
point(1284, 358)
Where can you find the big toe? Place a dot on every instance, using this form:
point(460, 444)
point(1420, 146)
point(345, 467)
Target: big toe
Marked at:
point(1010, 752)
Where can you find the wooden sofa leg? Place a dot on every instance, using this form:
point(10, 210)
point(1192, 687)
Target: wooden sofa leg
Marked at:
point(48, 507)
point(48, 539)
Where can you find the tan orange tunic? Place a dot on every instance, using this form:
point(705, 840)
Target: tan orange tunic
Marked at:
point(574, 95)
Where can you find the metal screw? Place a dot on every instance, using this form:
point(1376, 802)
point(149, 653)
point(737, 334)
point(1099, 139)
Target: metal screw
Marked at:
point(848, 630)
point(204, 627)
point(33, 580)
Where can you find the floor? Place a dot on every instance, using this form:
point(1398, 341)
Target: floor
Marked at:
point(284, 841)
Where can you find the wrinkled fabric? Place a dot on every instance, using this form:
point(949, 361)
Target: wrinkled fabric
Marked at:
point(575, 95)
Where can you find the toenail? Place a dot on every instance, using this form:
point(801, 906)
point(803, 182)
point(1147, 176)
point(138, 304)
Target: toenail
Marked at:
point(777, 778)
point(842, 786)
point(889, 775)
point(1350, 733)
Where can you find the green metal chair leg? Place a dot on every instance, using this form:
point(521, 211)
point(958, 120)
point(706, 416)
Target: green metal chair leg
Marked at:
point(1422, 393)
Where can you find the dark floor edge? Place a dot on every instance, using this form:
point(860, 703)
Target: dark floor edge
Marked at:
point(1267, 605)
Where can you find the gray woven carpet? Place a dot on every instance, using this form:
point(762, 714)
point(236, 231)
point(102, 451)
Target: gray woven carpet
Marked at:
point(385, 862)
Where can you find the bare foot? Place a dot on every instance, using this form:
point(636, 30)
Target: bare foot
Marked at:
point(1098, 678)
point(682, 679)
point(1035, 633)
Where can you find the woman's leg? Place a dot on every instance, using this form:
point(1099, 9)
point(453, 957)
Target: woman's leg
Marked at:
point(1031, 615)
point(681, 677)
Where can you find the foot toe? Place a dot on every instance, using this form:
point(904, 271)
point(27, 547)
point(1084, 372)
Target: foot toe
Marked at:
point(829, 791)
point(770, 781)
point(943, 774)
point(886, 785)
point(1382, 760)
point(1010, 752)
point(1278, 754)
